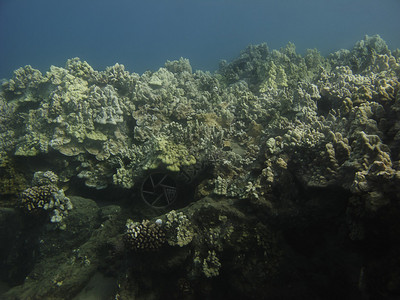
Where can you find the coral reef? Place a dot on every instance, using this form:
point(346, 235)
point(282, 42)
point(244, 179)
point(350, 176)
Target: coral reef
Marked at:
point(286, 166)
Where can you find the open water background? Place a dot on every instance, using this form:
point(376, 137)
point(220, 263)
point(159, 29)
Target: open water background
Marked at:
point(144, 34)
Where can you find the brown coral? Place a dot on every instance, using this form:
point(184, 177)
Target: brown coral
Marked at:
point(144, 236)
point(38, 197)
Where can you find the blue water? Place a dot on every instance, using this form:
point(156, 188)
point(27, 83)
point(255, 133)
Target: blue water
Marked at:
point(144, 34)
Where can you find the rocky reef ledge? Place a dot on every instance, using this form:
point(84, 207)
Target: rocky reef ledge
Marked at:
point(276, 177)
